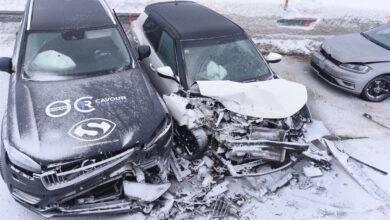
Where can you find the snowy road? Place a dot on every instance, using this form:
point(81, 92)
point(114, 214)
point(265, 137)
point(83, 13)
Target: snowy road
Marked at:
point(334, 196)
point(340, 111)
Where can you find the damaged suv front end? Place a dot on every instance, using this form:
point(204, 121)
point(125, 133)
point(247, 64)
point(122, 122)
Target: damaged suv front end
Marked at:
point(84, 131)
point(113, 182)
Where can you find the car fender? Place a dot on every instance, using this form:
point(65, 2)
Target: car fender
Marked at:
point(177, 106)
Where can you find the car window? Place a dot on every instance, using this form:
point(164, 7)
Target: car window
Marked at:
point(166, 50)
point(235, 59)
point(380, 35)
point(153, 32)
point(74, 53)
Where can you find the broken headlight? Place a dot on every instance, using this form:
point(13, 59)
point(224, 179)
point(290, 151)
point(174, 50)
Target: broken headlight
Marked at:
point(357, 68)
point(162, 134)
point(22, 160)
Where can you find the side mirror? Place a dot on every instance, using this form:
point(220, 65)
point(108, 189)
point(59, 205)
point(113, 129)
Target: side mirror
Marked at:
point(166, 72)
point(6, 64)
point(273, 58)
point(143, 52)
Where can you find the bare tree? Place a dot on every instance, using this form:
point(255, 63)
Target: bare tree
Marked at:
point(285, 5)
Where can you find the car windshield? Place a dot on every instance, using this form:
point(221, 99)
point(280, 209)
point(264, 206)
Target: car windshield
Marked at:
point(74, 53)
point(224, 59)
point(380, 35)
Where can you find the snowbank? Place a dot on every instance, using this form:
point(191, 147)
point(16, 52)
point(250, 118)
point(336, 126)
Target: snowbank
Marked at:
point(378, 9)
point(287, 46)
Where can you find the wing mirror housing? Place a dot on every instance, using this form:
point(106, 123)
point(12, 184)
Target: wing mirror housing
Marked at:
point(273, 58)
point(143, 52)
point(6, 65)
point(167, 73)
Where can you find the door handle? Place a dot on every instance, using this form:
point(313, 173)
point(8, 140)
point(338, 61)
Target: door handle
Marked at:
point(152, 67)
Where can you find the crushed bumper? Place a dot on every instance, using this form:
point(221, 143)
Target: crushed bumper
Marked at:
point(96, 188)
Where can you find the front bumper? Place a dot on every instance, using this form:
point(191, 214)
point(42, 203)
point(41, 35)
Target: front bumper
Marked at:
point(100, 192)
point(330, 71)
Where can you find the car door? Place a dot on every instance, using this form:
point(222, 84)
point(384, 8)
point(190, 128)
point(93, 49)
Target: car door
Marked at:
point(163, 52)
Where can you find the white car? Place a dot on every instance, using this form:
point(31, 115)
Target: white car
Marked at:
point(219, 88)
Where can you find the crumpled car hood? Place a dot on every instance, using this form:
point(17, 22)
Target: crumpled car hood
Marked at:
point(271, 99)
point(355, 48)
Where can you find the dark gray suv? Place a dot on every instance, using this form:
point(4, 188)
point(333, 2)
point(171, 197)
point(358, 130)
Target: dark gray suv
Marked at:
point(84, 131)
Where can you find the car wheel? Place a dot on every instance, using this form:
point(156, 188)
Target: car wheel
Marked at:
point(377, 89)
point(190, 145)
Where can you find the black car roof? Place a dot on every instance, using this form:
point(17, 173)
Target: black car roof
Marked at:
point(189, 20)
point(69, 14)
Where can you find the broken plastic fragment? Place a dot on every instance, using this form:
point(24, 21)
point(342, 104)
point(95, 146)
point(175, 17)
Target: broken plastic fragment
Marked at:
point(281, 182)
point(312, 171)
point(144, 192)
point(217, 190)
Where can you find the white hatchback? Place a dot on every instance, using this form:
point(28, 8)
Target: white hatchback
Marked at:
point(218, 87)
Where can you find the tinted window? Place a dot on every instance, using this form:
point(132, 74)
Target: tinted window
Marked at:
point(74, 53)
point(166, 50)
point(153, 32)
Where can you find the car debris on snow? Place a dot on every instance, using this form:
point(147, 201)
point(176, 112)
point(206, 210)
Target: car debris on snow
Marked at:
point(138, 190)
point(237, 130)
point(311, 171)
point(222, 208)
point(376, 120)
point(353, 168)
point(281, 182)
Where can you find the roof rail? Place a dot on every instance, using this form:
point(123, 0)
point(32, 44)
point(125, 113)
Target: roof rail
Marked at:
point(107, 8)
point(30, 15)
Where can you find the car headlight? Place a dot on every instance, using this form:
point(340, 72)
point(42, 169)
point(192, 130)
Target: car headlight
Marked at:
point(23, 161)
point(357, 68)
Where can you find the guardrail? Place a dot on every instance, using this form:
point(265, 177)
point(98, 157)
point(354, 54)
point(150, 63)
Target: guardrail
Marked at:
point(16, 16)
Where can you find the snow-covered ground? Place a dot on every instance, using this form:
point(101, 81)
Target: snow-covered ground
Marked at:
point(378, 9)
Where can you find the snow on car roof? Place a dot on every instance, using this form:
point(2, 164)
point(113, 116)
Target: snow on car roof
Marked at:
point(189, 20)
point(70, 14)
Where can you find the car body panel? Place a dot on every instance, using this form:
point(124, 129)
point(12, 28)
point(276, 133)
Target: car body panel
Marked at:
point(272, 99)
point(40, 130)
point(339, 76)
point(153, 62)
point(355, 48)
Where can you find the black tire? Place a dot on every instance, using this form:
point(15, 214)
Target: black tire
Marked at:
point(191, 145)
point(377, 90)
